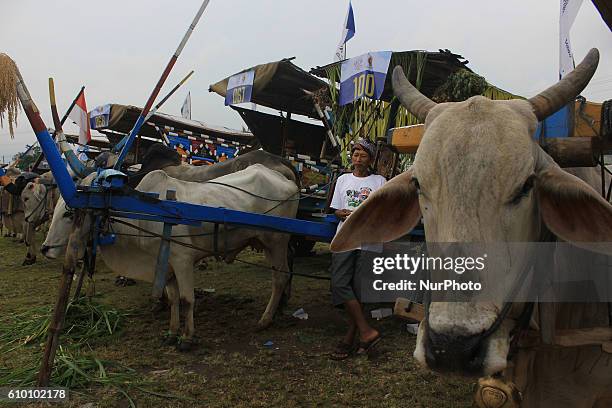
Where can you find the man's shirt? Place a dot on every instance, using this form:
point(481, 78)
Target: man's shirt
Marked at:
point(351, 191)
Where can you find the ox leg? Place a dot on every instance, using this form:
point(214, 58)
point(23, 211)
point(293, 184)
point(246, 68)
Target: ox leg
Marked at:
point(184, 277)
point(277, 258)
point(30, 241)
point(175, 322)
point(287, 292)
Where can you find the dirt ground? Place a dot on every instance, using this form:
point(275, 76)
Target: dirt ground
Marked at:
point(231, 367)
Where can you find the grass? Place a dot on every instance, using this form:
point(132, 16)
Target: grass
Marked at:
point(230, 367)
point(86, 321)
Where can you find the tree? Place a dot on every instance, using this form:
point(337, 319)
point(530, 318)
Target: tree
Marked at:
point(26, 159)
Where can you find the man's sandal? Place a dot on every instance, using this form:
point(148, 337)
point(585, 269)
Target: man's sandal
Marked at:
point(342, 351)
point(368, 346)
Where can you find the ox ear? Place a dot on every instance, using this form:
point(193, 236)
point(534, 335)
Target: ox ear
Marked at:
point(387, 214)
point(572, 209)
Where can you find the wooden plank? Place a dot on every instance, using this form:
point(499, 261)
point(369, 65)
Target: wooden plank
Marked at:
point(587, 121)
point(406, 139)
point(409, 310)
point(587, 124)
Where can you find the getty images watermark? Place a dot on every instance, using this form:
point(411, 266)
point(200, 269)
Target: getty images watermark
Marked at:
point(460, 272)
point(405, 263)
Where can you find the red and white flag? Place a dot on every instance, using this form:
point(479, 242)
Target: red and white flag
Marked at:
point(80, 116)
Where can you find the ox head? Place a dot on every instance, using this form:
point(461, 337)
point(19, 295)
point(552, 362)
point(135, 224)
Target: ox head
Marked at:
point(478, 176)
point(62, 226)
point(34, 197)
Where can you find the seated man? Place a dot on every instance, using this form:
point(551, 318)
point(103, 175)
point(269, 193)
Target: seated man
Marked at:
point(350, 191)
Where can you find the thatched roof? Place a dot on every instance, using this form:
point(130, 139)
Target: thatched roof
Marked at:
point(123, 117)
point(279, 85)
point(439, 65)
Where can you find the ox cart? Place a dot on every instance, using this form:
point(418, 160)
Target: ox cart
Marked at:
point(109, 197)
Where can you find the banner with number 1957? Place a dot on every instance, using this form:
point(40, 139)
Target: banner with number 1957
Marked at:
point(364, 76)
point(239, 88)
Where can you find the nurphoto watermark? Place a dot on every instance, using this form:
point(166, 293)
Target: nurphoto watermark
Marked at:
point(459, 272)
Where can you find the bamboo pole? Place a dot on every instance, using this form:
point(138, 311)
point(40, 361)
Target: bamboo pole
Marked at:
point(54, 114)
point(59, 312)
point(121, 143)
point(157, 89)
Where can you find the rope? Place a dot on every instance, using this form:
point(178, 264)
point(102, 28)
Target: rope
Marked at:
point(212, 253)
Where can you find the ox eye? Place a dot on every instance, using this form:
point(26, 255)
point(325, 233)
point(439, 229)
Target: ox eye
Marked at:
point(524, 191)
point(25, 200)
point(68, 214)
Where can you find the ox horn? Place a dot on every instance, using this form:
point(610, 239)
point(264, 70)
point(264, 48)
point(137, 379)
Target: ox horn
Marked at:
point(413, 100)
point(554, 98)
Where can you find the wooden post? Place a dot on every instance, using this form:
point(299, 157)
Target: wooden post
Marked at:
point(161, 268)
point(82, 272)
point(327, 126)
point(59, 313)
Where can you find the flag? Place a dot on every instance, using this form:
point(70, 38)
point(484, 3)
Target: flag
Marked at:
point(364, 75)
point(79, 115)
point(240, 88)
point(567, 15)
point(348, 31)
point(186, 108)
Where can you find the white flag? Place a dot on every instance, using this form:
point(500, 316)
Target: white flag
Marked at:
point(79, 115)
point(186, 109)
point(568, 11)
point(348, 31)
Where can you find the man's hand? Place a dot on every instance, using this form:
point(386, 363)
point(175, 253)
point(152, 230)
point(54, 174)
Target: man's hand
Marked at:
point(4, 180)
point(342, 214)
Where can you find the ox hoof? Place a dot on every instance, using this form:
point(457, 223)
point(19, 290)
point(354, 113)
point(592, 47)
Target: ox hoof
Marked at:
point(29, 261)
point(185, 344)
point(263, 324)
point(158, 307)
point(169, 339)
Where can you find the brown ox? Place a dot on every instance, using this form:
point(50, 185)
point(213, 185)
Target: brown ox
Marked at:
point(11, 209)
point(478, 176)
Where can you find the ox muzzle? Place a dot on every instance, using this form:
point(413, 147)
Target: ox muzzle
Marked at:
point(453, 353)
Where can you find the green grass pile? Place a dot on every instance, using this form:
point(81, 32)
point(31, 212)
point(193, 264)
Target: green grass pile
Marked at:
point(86, 321)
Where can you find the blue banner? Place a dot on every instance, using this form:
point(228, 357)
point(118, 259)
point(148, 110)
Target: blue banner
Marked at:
point(364, 76)
point(239, 88)
point(99, 117)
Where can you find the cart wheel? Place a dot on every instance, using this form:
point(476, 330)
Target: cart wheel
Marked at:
point(301, 247)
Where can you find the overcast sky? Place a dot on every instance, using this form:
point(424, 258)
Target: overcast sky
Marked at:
point(118, 49)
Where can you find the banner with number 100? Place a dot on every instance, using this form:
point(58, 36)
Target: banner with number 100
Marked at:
point(364, 75)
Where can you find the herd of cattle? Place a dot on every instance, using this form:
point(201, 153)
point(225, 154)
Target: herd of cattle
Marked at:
point(255, 182)
point(477, 177)
point(22, 214)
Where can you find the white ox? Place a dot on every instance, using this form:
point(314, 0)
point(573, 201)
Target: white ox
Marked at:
point(478, 176)
point(39, 198)
point(136, 257)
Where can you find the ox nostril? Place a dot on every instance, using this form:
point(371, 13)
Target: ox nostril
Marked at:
point(44, 249)
point(454, 353)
